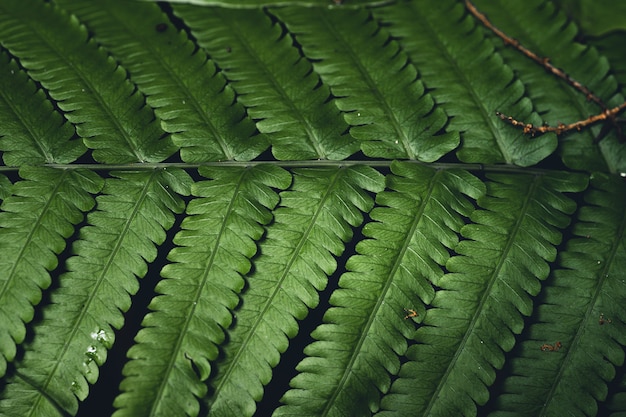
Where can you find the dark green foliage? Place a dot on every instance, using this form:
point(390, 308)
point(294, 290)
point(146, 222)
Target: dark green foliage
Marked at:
point(382, 99)
point(470, 81)
point(276, 85)
point(36, 219)
point(30, 130)
point(84, 81)
point(308, 208)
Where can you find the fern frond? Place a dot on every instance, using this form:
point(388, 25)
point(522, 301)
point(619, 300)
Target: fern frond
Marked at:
point(596, 19)
point(174, 349)
point(609, 46)
point(556, 101)
point(469, 80)
point(617, 402)
point(314, 220)
point(483, 297)
point(583, 308)
point(256, 4)
point(72, 339)
point(187, 92)
point(5, 187)
point(278, 87)
point(34, 223)
point(364, 333)
point(376, 87)
point(90, 87)
point(31, 132)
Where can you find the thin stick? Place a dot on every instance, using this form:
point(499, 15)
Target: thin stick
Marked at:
point(561, 128)
point(606, 114)
point(544, 62)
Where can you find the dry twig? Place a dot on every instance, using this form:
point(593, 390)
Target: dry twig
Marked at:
point(607, 114)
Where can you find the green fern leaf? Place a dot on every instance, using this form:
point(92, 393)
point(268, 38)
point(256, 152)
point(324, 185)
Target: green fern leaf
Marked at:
point(216, 243)
point(609, 46)
point(111, 118)
point(72, 339)
point(469, 80)
point(34, 223)
point(5, 187)
point(31, 132)
point(579, 312)
point(277, 86)
point(314, 220)
point(510, 243)
point(255, 4)
point(187, 92)
point(432, 296)
point(364, 334)
point(596, 18)
point(556, 101)
point(381, 98)
point(617, 402)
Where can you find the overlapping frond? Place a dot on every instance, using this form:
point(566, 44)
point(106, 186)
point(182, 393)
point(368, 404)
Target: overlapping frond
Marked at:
point(31, 132)
point(180, 336)
point(594, 19)
point(72, 339)
point(184, 87)
point(364, 334)
point(547, 32)
point(609, 46)
point(255, 4)
point(313, 221)
point(376, 87)
point(583, 310)
point(468, 79)
point(5, 187)
point(90, 87)
point(456, 297)
point(276, 84)
point(616, 404)
point(482, 299)
point(35, 221)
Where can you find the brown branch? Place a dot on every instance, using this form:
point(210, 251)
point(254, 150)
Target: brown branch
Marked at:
point(528, 128)
point(544, 62)
point(606, 114)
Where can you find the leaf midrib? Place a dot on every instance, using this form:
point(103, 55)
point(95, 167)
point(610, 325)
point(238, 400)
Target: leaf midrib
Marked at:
point(196, 298)
point(278, 88)
point(372, 87)
point(463, 76)
point(92, 294)
point(587, 320)
point(381, 298)
point(483, 300)
point(225, 379)
point(30, 236)
point(81, 76)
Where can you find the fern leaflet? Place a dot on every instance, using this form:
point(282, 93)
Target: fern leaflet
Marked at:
point(34, 223)
point(479, 307)
point(311, 225)
point(72, 338)
point(468, 79)
point(255, 4)
point(5, 187)
point(274, 82)
point(364, 334)
point(31, 132)
point(184, 87)
point(579, 311)
point(557, 102)
point(111, 118)
point(381, 98)
point(215, 244)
